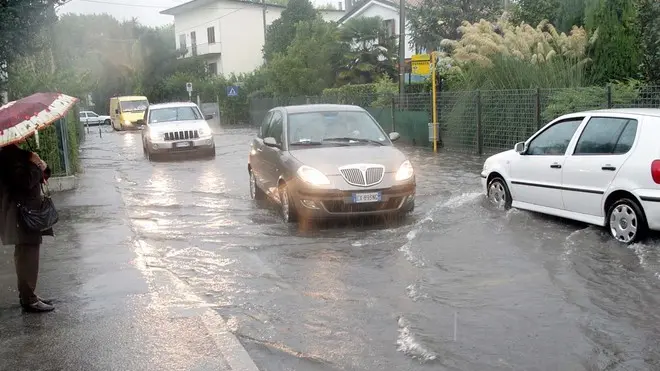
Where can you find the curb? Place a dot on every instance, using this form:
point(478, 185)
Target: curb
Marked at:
point(62, 183)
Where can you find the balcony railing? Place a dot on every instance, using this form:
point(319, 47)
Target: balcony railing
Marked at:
point(203, 49)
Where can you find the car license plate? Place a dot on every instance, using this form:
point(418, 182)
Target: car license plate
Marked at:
point(182, 144)
point(359, 198)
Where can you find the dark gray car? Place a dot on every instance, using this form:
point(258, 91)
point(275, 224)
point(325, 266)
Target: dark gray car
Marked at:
point(324, 161)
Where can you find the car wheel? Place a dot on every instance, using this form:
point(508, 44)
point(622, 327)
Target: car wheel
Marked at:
point(626, 221)
point(498, 193)
point(106, 122)
point(255, 192)
point(287, 208)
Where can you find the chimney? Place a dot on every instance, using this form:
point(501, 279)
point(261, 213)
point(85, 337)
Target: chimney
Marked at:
point(340, 5)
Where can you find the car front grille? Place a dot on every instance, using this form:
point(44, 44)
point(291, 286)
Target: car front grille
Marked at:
point(182, 135)
point(339, 206)
point(363, 176)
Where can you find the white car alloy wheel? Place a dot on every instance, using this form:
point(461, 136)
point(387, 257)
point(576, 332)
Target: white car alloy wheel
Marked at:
point(627, 223)
point(498, 194)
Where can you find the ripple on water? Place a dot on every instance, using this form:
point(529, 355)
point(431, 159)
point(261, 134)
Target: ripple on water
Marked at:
point(409, 344)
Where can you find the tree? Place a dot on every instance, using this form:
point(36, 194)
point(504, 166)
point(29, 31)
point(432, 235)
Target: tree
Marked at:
point(371, 50)
point(650, 26)
point(616, 53)
point(21, 21)
point(432, 21)
point(309, 64)
point(535, 11)
point(282, 31)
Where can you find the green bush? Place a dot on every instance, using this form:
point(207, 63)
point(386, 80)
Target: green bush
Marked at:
point(564, 101)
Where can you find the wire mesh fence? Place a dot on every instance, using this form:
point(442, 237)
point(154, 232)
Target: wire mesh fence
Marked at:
point(478, 122)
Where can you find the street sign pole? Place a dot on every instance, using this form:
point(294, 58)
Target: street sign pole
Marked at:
point(435, 103)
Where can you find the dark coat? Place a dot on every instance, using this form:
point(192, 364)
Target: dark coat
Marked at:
point(20, 181)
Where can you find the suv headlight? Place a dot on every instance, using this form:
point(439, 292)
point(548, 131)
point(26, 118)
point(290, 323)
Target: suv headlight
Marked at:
point(405, 171)
point(312, 176)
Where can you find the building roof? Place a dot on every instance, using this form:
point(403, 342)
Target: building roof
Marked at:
point(194, 4)
point(360, 5)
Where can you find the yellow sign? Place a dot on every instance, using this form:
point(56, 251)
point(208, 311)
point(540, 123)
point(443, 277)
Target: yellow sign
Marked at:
point(421, 57)
point(422, 68)
point(421, 64)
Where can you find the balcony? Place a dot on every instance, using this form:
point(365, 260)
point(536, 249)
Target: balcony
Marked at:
point(203, 49)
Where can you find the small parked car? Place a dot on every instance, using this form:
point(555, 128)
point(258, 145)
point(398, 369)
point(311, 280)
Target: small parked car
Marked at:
point(599, 167)
point(91, 118)
point(327, 161)
point(176, 128)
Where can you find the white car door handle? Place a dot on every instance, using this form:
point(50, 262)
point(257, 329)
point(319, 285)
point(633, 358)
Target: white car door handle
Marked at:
point(555, 166)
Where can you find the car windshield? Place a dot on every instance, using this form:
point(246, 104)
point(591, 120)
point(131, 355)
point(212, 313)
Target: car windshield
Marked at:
point(174, 114)
point(330, 127)
point(134, 105)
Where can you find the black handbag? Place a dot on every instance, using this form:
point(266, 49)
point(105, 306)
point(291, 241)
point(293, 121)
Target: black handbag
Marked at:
point(39, 219)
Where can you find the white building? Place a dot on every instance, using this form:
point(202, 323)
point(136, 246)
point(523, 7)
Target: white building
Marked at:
point(229, 34)
point(387, 10)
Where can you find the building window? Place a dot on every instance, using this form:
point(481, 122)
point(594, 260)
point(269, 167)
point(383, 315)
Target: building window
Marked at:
point(213, 69)
point(182, 42)
point(193, 43)
point(211, 34)
point(390, 27)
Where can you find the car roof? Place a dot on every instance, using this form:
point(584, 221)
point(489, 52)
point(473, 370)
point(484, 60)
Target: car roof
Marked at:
point(130, 98)
point(655, 112)
point(172, 104)
point(310, 108)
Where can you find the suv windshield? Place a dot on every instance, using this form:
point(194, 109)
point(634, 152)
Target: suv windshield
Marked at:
point(133, 105)
point(174, 114)
point(334, 126)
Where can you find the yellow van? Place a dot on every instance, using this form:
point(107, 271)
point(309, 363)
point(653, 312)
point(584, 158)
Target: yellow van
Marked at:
point(126, 111)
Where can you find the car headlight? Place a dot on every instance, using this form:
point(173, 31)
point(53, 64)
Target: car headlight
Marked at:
point(405, 171)
point(312, 176)
point(127, 122)
point(204, 131)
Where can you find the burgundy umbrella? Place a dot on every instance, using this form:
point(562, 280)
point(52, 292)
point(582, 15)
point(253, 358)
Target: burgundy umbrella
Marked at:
point(22, 118)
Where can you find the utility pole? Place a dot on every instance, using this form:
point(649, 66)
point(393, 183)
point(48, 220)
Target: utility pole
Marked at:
point(402, 47)
point(263, 3)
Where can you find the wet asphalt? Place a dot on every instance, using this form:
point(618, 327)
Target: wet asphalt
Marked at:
point(457, 285)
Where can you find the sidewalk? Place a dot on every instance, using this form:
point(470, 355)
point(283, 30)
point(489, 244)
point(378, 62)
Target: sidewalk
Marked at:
point(113, 310)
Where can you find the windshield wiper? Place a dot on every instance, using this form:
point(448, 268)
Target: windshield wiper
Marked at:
point(306, 143)
point(360, 140)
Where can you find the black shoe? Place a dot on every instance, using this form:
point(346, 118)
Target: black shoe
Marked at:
point(38, 307)
point(45, 301)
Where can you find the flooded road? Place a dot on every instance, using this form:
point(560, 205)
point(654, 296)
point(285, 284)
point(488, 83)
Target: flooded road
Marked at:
point(456, 286)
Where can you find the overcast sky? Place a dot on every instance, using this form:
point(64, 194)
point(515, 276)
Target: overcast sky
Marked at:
point(146, 11)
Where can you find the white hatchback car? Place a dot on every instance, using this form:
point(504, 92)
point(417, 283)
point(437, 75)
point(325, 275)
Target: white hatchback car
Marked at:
point(599, 167)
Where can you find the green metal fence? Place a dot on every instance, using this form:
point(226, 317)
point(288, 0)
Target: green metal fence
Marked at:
point(477, 121)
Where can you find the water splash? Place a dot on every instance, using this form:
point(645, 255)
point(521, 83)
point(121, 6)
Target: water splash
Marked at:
point(410, 345)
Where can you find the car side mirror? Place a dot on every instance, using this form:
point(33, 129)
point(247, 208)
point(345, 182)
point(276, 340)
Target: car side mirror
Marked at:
point(520, 147)
point(394, 136)
point(208, 117)
point(117, 111)
point(270, 142)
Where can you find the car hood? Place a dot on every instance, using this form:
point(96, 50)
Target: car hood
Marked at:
point(329, 159)
point(178, 125)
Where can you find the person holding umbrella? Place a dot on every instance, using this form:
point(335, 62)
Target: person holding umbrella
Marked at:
point(26, 211)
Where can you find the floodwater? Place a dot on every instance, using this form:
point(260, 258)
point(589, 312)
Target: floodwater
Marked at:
point(458, 285)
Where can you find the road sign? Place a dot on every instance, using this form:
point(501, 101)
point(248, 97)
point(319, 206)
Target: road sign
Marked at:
point(232, 91)
point(189, 87)
point(421, 64)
